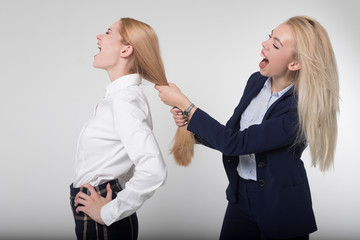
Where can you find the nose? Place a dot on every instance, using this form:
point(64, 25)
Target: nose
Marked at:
point(265, 44)
point(99, 37)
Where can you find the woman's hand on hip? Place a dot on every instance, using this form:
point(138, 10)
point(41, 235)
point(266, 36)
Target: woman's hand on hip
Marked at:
point(92, 204)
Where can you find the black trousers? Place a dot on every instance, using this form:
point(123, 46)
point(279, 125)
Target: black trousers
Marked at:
point(86, 228)
point(240, 221)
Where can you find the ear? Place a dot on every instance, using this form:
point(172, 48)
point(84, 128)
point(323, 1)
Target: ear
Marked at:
point(126, 51)
point(294, 66)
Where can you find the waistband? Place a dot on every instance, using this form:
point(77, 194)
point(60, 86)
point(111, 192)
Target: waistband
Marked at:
point(100, 189)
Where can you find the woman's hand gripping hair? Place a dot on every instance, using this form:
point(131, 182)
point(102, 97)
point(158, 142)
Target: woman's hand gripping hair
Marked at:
point(183, 145)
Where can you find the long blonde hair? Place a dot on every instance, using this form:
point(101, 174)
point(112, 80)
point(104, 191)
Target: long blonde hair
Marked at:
point(148, 63)
point(317, 86)
point(147, 57)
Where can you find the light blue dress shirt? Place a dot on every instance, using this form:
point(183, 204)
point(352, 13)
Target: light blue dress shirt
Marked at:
point(253, 115)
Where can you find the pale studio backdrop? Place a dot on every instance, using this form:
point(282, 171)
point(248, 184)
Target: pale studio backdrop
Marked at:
point(210, 48)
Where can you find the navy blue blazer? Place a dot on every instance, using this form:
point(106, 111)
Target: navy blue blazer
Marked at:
point(285, 206)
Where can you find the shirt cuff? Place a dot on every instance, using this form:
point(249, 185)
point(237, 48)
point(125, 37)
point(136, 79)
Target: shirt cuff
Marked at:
point(108, 213)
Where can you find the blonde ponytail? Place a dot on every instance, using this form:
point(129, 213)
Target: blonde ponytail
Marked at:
point(148, 63)
point(317, 87)
point(183, 146)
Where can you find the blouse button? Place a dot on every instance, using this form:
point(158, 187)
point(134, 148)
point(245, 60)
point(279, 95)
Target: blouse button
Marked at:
point(261, 164)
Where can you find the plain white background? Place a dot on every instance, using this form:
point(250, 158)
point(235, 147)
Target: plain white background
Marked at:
point(49, 89)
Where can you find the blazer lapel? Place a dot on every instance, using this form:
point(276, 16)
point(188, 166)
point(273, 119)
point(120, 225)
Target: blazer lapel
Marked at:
point(234, 121)
point(289, 93)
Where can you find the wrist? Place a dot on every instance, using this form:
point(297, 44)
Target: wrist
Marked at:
point(184, 105)
point(192, 112)
point(190, 116)
point(187, 111)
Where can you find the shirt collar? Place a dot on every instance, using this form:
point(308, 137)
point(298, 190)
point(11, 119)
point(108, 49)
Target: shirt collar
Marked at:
point(267, 85)
point(122, 82)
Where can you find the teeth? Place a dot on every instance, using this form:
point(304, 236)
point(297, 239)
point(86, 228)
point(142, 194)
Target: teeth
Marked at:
point(99, 47)
point(262, 55)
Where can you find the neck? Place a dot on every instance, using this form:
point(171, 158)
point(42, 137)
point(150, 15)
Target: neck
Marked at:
point(280, 83)
point(120, 70)
point(113, 76)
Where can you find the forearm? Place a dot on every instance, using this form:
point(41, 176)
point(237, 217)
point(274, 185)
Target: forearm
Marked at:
point(257, 138)
point(148, 177)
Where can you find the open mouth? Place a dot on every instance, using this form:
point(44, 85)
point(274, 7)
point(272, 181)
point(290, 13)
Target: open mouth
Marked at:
point(264, 62)
point(99, 47)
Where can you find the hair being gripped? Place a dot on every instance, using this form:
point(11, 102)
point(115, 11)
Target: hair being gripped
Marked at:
point(148, 63)
point(146, 50)
point(317, 86)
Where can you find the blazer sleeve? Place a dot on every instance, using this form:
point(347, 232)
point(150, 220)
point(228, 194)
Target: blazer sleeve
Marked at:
point(273, 133)
point(199, 140)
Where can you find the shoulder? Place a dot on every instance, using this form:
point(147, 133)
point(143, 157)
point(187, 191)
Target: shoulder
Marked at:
point(131, 94)
point(256, 79)
point(131, 98)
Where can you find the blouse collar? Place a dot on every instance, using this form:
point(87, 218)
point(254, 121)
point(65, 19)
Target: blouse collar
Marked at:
point(122, 82)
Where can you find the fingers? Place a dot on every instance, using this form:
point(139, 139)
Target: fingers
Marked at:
point(82, 198)
point(90, 188)
point(92, 204)
point(173, 85)
point(161, 87)
point(80, 201)
point(109, 192)
point(167, 88)
point(178, 116)
point(79, 196)
point(181, 123)
point(80, 209)
point(176, 111)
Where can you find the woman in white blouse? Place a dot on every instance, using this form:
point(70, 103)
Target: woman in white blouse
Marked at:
point(117, 146)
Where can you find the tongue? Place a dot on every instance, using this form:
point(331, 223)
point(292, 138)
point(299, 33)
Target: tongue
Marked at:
point(263, 63)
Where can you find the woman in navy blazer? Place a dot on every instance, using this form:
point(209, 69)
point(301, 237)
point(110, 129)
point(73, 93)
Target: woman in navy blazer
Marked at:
point(298, 69)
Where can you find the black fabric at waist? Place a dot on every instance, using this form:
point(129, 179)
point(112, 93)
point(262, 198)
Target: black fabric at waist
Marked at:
point(100, 189)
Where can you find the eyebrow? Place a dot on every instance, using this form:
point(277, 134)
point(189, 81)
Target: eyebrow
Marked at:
point(276, 39)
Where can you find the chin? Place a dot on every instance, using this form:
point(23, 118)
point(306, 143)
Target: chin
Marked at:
point(96, 65)
point(262, 72)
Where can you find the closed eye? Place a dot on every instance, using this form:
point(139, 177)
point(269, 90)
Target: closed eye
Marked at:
point(276, 47)
point(108, 31)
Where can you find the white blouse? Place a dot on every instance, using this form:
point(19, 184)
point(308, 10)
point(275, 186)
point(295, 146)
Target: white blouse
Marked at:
point(118, 142)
